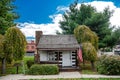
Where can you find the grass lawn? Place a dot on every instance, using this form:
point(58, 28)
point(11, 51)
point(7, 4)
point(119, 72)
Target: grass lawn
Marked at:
point(80, 79)
point(26, 58)
point(10, 69)
point(88, 72)
point(87, 69)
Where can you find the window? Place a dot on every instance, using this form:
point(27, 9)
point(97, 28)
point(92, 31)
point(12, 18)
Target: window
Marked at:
point(27, 47)
point(32, 47)
point(54, 55)
point(51, 56)
point(58, 55)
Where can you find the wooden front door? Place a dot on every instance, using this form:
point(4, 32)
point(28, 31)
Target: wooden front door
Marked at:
point(66, 58)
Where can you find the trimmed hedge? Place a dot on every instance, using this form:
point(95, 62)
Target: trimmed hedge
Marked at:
point(47, 69)
point(109, 65)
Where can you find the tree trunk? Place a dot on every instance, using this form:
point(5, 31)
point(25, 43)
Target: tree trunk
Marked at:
point(3, 66)
point(17, 67)
point(92, 65)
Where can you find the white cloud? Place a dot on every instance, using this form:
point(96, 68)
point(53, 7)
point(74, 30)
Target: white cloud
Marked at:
point(100, 5)
point(62, 8)
point(29, 28)
point(115, 19)
point(56, 18)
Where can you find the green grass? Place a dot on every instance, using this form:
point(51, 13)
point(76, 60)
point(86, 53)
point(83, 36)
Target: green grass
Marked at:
point(80, 79)
point(26, 58)
point(88, 72)
point(10, 69)
point(87, 69)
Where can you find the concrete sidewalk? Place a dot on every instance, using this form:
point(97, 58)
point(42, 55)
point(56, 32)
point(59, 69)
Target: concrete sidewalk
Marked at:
point(60, 75)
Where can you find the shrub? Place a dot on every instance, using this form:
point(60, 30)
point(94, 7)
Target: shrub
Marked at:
point(48, 69)
point(30, 63)
point(109, 65)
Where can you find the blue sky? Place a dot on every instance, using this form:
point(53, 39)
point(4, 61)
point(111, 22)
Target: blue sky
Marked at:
point(38, 11)
point(45, 14)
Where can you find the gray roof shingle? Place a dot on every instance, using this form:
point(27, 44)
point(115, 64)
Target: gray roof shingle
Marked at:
point(57, 41)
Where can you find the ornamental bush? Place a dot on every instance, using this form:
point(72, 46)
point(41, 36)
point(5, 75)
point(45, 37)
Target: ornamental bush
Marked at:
point(109, 65)
point(30, 63)
point(47, 69)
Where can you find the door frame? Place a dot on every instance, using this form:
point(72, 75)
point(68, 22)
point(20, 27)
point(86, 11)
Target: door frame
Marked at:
point(68, 53)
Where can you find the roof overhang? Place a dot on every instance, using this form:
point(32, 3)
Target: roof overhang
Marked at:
point(57, 49)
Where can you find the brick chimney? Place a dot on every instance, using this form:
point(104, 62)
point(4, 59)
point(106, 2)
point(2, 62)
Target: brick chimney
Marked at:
point(37, 36)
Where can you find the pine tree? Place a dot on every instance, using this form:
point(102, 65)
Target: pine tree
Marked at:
point(87, 15)
point(7, 15)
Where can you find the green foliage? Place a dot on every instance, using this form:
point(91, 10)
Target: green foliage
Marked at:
point(30, 63)
point(89, 52)
point(15, 43)
point(87, 15)
point(99, 23)
point(75, 17)
point(109, 65)
point(11, 69)
point(89, 41)
point(115, 37)
point(38, 69)
point(26, 58)
point(1, 46)
point(7, 15)
point(84, 34)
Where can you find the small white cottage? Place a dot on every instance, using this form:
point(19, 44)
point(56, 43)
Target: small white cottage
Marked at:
point(57, 49)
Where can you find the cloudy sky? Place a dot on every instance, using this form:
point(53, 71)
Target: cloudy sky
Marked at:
point(45, 14)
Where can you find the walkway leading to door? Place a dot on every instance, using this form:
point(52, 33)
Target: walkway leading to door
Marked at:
point(61, 75)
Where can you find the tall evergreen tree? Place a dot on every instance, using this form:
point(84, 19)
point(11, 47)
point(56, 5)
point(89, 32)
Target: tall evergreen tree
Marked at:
point(75, 16)
point(87, 15)
point(7, 15)
point(99, 23)
point(114, 39)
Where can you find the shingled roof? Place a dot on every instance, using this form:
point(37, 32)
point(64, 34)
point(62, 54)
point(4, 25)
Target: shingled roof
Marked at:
point(57, 41)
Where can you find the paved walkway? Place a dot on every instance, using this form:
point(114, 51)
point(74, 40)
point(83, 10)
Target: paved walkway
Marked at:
point(60, 75)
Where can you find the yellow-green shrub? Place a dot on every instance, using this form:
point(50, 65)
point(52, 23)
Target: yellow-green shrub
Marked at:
point(109, 65)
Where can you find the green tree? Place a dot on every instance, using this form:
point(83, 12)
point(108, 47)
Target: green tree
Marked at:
point(87, 15)
point(84, 34)
point(75, 16)
point(99, 23)
point(112, 39)
point(89, 53)
point(7, 15)
point(115, 38)
point(1, 46)
point(2, 55)
point(15, 44)
point(89, 41)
